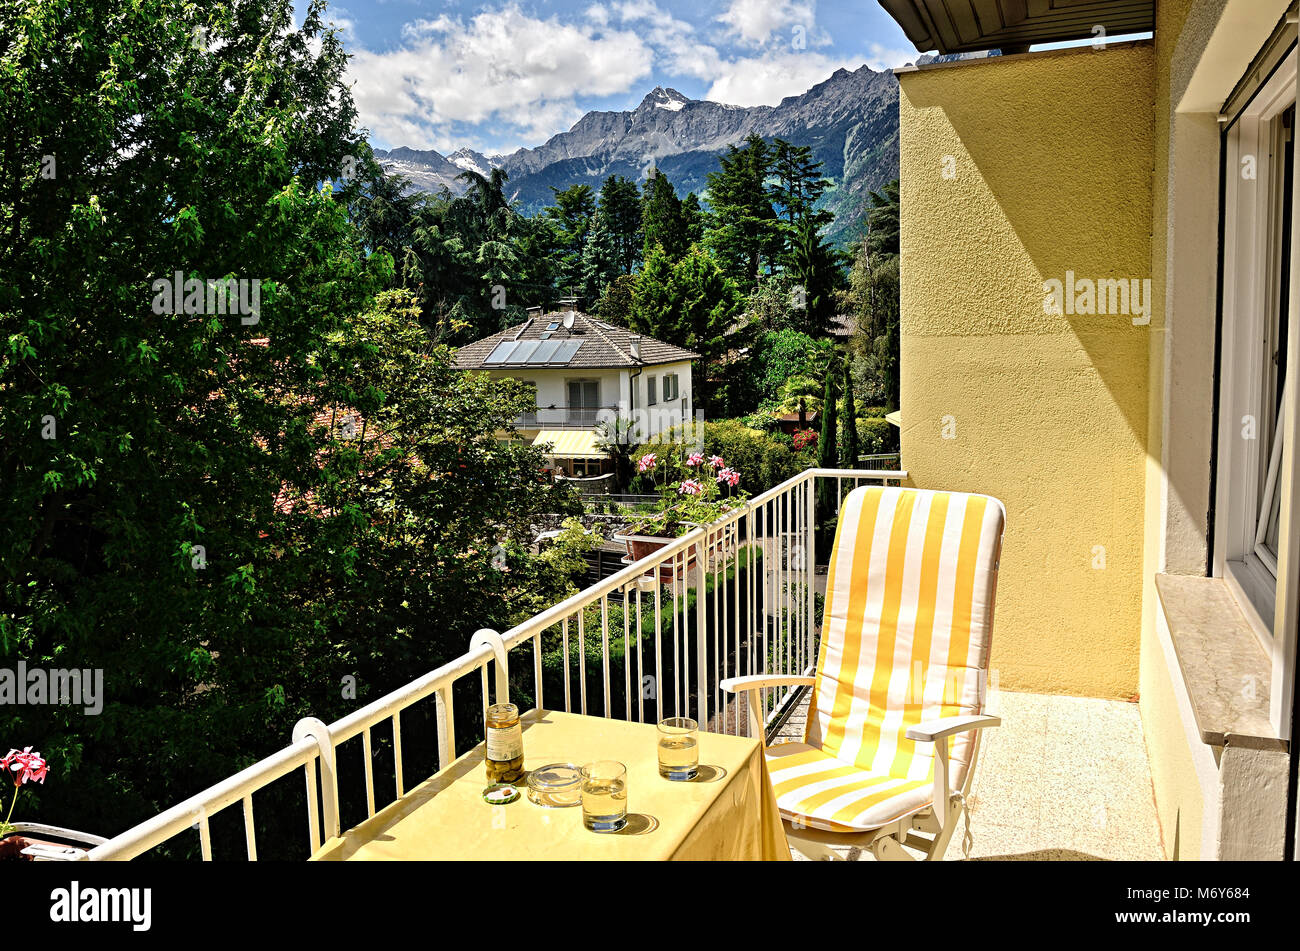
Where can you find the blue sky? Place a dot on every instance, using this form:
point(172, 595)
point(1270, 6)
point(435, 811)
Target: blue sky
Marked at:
point(494, 76)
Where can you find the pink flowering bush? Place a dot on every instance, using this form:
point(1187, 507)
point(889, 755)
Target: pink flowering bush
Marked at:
point(22, 767)
point(702, 498)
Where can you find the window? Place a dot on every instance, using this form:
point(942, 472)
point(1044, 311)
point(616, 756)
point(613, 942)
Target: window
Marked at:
point(670, 386)
point(584, 402)
point(1253, 380)
point(650, 399)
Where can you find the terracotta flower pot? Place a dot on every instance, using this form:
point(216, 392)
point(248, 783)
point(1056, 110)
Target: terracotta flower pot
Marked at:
point(643, 546)
point(11, 848)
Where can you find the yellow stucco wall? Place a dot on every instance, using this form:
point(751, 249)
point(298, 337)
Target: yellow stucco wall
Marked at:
point(1180, 803)
point(1013, 172)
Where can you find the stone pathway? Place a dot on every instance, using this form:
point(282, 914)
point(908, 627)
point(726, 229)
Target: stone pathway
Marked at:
point(1061, 778)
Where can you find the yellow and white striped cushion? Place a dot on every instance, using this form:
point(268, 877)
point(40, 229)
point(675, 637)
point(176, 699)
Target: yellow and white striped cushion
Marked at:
point(905, 638)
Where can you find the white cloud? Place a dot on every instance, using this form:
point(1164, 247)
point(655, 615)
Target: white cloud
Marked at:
point(767, 79)
point(758, 23)
point(881, 58)
point(517, 73)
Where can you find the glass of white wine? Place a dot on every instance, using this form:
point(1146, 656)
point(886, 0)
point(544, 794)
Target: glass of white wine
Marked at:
point(604, 796)
point(679, 749)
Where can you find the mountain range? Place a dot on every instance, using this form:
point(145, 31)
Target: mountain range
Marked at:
point(850, 121)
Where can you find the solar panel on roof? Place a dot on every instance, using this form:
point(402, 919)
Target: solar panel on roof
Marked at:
point(501, 353)
point(545, 351)
point(523, 350)
point(566, 351)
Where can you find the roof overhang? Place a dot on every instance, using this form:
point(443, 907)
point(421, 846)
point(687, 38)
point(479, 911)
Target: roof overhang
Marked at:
point(967, 26)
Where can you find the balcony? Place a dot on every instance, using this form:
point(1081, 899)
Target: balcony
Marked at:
point(1064, 777)
point(565, 417)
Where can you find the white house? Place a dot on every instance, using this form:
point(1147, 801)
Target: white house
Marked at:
point(587, 373)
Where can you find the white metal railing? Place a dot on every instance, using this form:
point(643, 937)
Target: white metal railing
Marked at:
point(753, 577)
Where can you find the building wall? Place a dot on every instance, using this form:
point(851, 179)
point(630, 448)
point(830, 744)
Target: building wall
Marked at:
point(614, 389)
point(1016, 170)
point(1174, 751)
point(1202, 47)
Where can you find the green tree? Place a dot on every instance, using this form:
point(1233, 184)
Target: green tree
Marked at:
point(227, 512)
point(815, 268)
point(619, 211)
point(882, 220)
point(797, 186)
point(695, 218)
point(690, 303)
point(849, 438)
point(662, 221)
point(571, 221)
point(827, 458)
point(744, 233)
point(873, 297)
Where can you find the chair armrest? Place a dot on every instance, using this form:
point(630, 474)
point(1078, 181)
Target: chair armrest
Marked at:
point(933, 730)
point(757, 681)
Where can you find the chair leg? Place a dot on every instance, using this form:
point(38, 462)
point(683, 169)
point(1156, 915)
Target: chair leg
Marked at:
point(951, 815)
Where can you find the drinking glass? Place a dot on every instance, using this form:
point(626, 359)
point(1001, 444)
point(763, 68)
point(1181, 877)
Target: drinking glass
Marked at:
point(679, 748)
point(604, 796)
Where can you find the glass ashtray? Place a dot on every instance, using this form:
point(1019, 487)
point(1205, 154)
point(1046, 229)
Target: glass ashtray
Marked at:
point(555, 785)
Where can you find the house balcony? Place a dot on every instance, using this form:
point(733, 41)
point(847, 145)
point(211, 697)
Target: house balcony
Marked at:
point(1062, 777)
point(566, 417)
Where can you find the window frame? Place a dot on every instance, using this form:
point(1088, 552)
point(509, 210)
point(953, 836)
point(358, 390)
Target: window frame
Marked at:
point(1269, 594)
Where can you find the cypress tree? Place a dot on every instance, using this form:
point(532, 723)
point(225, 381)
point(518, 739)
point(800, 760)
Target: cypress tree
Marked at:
point(849, 440)
point(826, 459)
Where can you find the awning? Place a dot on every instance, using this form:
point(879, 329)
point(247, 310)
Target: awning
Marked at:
point(569, 444)
point(896, 417)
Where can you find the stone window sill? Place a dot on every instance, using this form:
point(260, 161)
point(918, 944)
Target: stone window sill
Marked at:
point(1225, 670)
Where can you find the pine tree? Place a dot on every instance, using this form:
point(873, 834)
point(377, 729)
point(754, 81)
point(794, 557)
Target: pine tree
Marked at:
point(662, 221)
point(815, 267)
point(599, 265)
point(695, 217)
point(620, 213)
point(873, 296)
point(799, 184)
point(744, 233)
point(570, 220)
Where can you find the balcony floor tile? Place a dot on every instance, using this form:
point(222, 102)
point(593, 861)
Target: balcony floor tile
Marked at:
point(1061, 778)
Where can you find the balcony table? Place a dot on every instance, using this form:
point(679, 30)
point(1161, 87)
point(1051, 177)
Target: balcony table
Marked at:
point(732, 815)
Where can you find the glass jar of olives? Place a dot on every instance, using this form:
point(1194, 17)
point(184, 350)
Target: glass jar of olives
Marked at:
point(505, 744)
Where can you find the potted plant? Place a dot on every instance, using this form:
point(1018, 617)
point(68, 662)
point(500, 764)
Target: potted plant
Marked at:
point(21, 766)
point(709, 491)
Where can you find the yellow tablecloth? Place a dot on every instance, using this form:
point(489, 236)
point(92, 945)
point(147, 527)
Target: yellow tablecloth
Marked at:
point(731, 814)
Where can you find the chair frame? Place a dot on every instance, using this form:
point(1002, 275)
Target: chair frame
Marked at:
point(886, 843)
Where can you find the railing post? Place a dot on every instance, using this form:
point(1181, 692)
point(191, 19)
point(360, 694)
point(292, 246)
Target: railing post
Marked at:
point(318, 731)
point(701, 634)
point(810, 555)
point(493, 640)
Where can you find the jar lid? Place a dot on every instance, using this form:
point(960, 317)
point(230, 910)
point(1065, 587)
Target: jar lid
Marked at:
point(556, 784)
point(498, 794)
